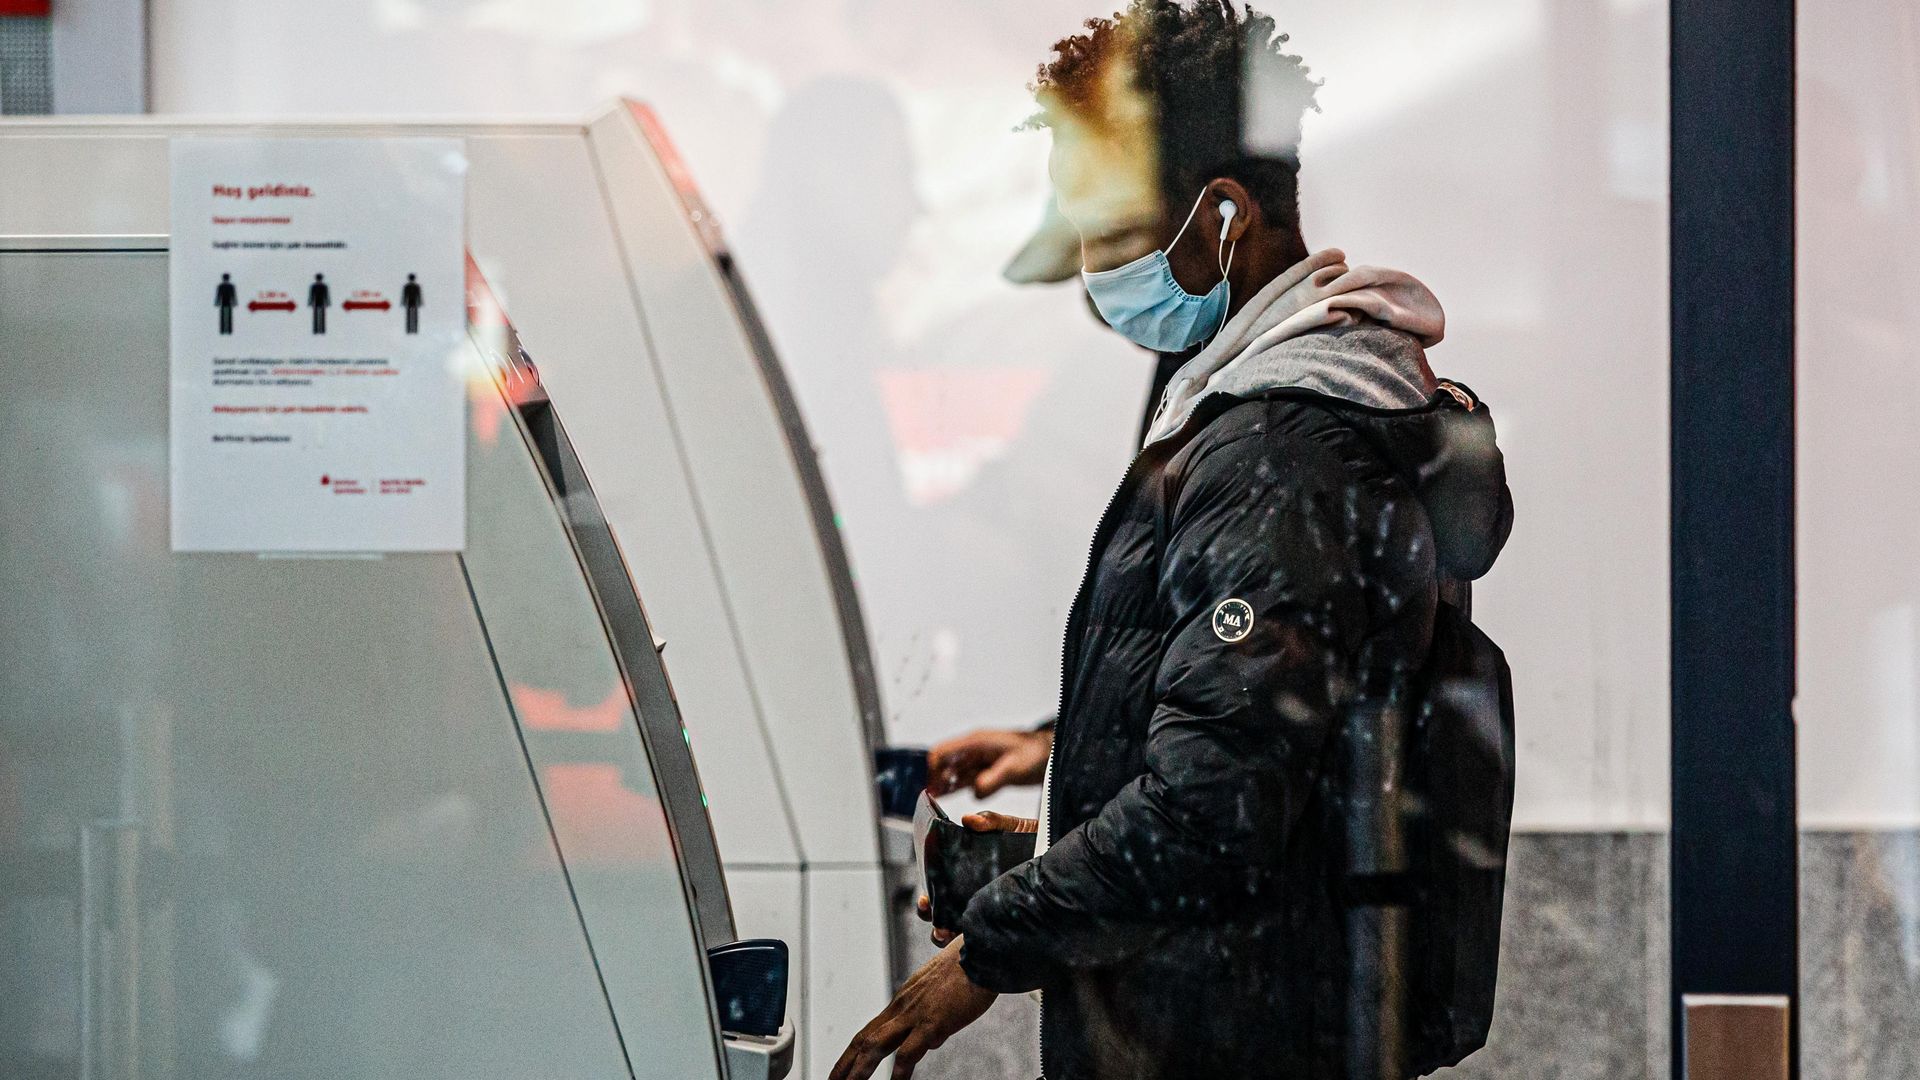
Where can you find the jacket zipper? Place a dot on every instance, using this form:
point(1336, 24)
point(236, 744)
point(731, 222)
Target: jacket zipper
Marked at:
point(1066, 641)
point(1066, 638)
point(1086, 577)
point(1066, 667)
point(1202, 413)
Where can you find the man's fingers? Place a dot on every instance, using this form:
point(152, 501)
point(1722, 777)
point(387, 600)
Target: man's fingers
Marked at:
point(868, 1048)
point(850, 1061)
point(925, 910)
point(907, 1058)
point(843, 1068)
point(994, 777)
point(966, 752)
point(947, 777)
point(958, 762)
point(917, 1045)
point(950, 769)
point(991, 821)
point(855, 1065)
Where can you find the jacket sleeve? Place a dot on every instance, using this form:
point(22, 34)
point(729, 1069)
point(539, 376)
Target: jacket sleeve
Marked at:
point(1238, 731)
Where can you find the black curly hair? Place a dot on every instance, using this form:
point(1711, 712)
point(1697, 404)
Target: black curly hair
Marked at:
point(1228, 99)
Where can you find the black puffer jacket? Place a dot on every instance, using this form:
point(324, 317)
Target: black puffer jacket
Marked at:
point(1255, 574)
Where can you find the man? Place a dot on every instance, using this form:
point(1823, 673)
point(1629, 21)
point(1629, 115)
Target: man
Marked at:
point(319, 298)
point(226, 297)
point(410, 299)
point(1214, 894)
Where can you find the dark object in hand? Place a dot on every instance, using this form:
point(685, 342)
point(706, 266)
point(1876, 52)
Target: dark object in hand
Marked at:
point(956, 862)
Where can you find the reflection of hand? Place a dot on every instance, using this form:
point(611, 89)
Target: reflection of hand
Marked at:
point(984, 821)
point(987, 761)
point(937, 1001)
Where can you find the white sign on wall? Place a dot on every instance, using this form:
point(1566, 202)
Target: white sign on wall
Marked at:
point(317, 340)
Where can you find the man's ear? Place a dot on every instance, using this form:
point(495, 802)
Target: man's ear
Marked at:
point(1245, 213)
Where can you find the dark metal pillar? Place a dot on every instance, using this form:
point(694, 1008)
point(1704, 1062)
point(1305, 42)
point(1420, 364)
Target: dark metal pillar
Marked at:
point(1734, 865)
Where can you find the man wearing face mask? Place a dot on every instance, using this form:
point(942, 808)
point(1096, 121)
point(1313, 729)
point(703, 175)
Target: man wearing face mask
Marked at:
point(1267, 585)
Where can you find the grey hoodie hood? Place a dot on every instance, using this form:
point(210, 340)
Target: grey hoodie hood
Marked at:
point(1360, 334)
point(1356, 333)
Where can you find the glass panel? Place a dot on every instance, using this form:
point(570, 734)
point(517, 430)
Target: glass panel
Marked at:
point(1509, 153)
point(275, 817)
point(600, 785)
point(1858, 705)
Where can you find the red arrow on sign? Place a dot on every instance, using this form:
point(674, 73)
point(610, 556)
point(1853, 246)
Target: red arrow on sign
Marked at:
point(376, 305)
point(269, 305)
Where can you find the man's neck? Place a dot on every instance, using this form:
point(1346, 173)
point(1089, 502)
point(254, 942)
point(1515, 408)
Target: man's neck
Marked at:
point(1257, 264)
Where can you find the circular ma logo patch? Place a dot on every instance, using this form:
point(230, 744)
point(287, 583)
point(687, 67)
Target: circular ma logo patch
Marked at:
point(1232, 620)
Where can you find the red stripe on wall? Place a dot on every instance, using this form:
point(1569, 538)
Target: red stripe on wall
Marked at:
point(26, 7)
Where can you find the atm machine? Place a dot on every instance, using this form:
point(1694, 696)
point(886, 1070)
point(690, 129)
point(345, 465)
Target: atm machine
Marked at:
point(628, 314)
point(311, 817)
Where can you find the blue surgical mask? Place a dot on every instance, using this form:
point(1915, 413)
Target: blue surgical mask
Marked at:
point(1146, 305)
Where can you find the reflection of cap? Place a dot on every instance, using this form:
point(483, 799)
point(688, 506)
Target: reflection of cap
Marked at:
point(1051, 254)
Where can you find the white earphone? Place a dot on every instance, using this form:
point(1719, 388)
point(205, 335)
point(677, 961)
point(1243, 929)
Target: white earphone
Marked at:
point(1225, 255)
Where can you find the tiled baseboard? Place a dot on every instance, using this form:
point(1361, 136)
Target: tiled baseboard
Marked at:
point(1583, 992)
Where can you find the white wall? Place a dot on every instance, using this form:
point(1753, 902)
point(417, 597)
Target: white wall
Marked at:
point(1509, 152)
point(1858, 397)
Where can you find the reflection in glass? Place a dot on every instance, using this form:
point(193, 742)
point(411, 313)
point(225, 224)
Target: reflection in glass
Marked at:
point(274, 817)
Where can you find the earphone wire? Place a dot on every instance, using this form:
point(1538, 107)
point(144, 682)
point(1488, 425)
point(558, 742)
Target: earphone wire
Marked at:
point(1183, 225)
point(1223, 277)
point(1222, 264)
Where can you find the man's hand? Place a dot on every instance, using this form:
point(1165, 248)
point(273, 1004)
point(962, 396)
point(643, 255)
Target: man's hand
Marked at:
point(937, 1001)
point(984, 821)
point(988, 761)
